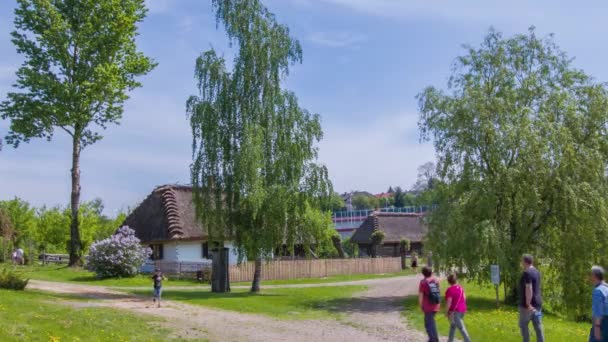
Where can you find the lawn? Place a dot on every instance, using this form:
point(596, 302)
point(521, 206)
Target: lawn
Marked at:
point(62, 273)
point(290, 303)
point(486, 322)
point(333, 279)
point(34, 316)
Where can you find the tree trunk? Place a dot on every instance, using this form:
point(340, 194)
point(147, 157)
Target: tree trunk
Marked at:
point(403, 262)
point(257, 274)
point(337, 241)
point(75, 243)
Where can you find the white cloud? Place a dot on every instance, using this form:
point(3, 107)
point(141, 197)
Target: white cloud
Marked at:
point(488, 12)
point(373, 155)
point(336, 39)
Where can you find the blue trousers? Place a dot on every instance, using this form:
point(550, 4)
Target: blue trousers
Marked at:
point(431, 326)
point(603, 329)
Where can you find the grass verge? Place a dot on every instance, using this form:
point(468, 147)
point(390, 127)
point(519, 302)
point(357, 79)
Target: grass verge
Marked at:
point(333, 279)
point(486, 322)
point(34, 316)
point(62, 273)
point(289, 303)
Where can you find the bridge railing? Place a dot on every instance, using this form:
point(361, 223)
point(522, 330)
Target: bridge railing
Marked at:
point(357, 214)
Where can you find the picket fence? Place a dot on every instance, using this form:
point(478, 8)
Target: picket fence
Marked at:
point(286, 269)
point(318, 268)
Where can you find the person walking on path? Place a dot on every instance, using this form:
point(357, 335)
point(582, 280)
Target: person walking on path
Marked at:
point(599, 306)
point(429, 260)
point(456, 303)
point(157, 277)
point(530, 300)
point(414, 261)
point(429, 297)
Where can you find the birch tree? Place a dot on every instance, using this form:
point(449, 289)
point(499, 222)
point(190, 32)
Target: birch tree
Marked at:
point(254, 169)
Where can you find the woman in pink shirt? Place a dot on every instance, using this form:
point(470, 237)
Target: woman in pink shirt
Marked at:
point(456, 302)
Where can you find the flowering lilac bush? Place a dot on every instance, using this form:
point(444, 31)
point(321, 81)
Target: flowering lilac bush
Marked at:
point(120, 255)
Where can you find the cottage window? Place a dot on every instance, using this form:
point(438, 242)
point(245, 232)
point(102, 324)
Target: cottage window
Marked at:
point(157, 252)
point(205, 250)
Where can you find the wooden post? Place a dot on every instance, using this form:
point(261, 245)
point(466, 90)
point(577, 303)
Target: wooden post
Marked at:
point(497, 300)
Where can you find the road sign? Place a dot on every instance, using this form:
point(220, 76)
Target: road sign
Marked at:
point(495, 274)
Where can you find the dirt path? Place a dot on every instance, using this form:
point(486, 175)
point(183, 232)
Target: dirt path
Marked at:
point(374, 315)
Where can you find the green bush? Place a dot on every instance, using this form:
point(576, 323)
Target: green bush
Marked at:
point(12, 280)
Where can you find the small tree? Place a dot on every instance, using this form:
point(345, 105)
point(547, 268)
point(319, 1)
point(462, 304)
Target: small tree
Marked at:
point(404, 247)
point(337, 241)
point(377, 238)
point(120, 255)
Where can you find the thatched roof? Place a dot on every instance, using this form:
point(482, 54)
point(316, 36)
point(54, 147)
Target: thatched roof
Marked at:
point(395, 226)
point(166, 214)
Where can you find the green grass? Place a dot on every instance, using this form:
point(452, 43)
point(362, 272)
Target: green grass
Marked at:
point(290, 303)
point(62, 273)
point(333, 279)
point(486, 322)
point(34, 316)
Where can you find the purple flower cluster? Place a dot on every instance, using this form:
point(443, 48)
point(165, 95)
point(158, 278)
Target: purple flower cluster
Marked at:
point(120, 255)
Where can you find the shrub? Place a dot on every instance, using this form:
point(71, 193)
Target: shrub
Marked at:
point(12, 280)
point(120, 255)
point(377, 237)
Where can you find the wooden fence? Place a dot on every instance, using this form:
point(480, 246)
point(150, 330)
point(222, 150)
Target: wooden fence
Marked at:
point(294, 269)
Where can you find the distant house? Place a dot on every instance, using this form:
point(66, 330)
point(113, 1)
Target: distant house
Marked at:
point(166, 221)
point(396, 226)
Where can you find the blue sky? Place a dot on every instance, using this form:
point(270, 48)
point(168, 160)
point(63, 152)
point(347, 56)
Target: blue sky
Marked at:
point(364, 63)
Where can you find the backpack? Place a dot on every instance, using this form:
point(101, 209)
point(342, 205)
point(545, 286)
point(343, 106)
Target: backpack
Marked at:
point(434, 294)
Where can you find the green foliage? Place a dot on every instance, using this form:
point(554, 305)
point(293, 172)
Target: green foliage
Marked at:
point(294, 303)
point(336, 203)
point(80, 62)
point(522, 148)
point(47, 229)
point(486, 322)
point(12, 280)
point(362, 201)
point(377, 237)
point(254, 168)
point(399, 197)
point(350, 248)
point(23, 219)
point(405, 245)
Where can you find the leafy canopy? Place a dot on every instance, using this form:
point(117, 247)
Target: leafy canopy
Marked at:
point(521, 140)
point(254, 165)
point(80, 60)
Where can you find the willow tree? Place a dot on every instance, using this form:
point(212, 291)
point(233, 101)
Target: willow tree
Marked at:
point(521, 139)
point(80, 61)
point(254, 169)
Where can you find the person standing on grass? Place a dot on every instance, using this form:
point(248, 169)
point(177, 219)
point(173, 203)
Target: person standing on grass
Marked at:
point(456, 304)
point(429, 297)
point(157, 277)
point(530, 300)
point(599, 306)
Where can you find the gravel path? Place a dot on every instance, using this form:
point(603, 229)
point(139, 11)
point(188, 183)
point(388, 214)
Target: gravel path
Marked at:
point(373, 315)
